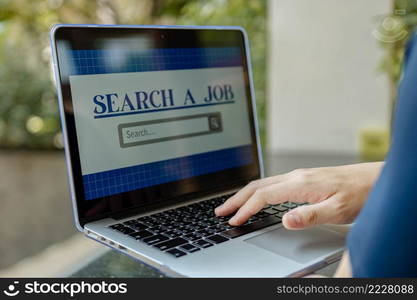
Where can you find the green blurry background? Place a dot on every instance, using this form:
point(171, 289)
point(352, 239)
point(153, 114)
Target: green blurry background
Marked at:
point(28, 106)
point(34, 215)
point(403, 22)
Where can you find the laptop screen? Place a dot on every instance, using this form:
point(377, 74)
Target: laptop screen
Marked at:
point(150, 115)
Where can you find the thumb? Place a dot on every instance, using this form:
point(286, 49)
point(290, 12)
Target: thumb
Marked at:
point(308, 215)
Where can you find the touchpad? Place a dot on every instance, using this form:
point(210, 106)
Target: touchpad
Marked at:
point(299, 245)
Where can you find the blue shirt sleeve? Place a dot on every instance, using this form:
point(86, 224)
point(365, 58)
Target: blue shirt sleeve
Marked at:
point(383, 240)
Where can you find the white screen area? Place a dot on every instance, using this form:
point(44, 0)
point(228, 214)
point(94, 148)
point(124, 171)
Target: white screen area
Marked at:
point(129, 119)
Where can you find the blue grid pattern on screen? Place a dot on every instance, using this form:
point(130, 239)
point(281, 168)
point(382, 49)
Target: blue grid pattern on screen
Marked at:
point(131, 178)
point(106, 61)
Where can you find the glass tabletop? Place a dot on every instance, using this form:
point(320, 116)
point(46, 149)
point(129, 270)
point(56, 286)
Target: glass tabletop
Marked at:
point(115, 264)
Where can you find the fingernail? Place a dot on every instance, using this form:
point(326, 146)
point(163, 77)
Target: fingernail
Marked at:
point(294, 219)
point(233, 220)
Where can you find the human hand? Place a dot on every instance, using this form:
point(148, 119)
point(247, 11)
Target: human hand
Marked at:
point(336, 195)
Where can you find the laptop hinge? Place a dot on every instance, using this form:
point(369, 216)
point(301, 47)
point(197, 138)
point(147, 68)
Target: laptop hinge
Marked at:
point(134, 211)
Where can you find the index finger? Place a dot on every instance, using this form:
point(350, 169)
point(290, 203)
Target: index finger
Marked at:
point(233, 203)
point(269, 195)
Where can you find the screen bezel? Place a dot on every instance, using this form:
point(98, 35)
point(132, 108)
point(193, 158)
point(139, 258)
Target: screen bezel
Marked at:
point(118, 205)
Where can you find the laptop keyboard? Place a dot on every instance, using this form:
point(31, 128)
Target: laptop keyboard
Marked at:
point(191, 228)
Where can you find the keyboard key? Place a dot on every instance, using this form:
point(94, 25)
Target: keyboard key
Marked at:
point(223, 227)
point(138, 226)
point(253, 219)
point(280, 208)
point(217, 239)
point(217, 220)
point(168, 226)
point(224, 219)
point(289, 205)
point(185, 222)
point(130, 222)
point(155, 239)
point(173, 234)
point(192, 236)
point(261, 215)
point(202, 223)
point(158, 229)
point(202, 244)
point(189, 248)
point(176, 252)
point(217, 228)
point(152, 223)
point(125, 230)
point(270, 211)
point(280, 215)
point(210, 222)
point(115, 226)
point(228, 226)
point(141, 234)
point(186, 230)
point(170, 244)
point(245, 229)
point(177, 224)
point(144, 219)
point(204, 232)
point(199, 227)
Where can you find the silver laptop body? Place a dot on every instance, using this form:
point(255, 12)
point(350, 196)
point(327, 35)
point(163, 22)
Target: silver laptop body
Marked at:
point(269, 252)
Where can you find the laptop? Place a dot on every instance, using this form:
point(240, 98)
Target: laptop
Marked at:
point(159, 124)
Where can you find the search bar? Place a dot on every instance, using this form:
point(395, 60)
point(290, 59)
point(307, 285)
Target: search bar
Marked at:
point(155, 131)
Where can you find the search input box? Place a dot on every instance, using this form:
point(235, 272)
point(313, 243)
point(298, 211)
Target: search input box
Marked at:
point(155, 131)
